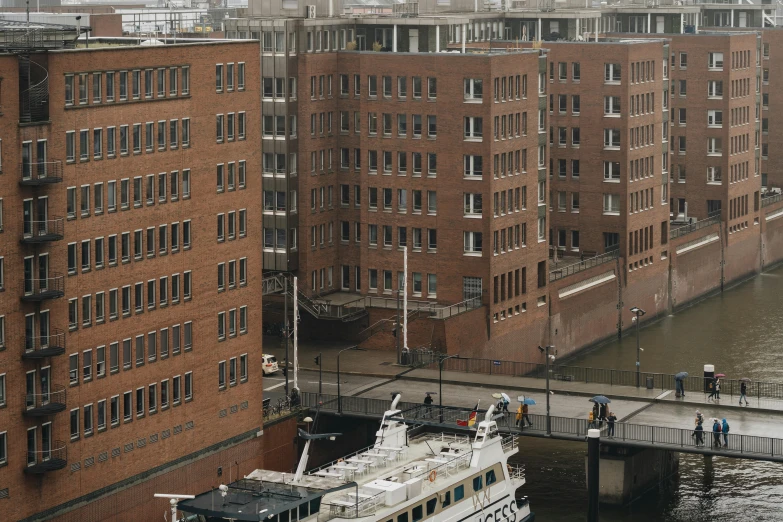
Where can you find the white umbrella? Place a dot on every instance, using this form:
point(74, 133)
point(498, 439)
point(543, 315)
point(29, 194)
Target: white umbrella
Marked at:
point(505, 397)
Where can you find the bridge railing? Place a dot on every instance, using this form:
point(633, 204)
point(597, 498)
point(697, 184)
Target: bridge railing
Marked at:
point(558, 372)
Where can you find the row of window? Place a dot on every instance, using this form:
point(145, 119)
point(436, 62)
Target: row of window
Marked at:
point(224, 77)
point(120, 300)
point(237, 371)
point(714, 145)
point(147, 403)
point(562, 234)
point(371, 86)
point(116, 85)
point(160, 240)
point(641, 200)
point(231, 176)
point(506, 201)
point(417, 280)
point(510, 285)
point(159, 345)
point(230, 126)
point(129, 135)
point(507, 240)
point(236, 321)
point(227, 225)
point(170, 186)
point(227, 274)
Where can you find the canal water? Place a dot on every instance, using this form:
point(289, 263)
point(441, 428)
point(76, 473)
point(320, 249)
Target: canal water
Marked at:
point(741, 333)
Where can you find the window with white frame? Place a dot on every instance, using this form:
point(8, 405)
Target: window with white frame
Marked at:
point(714, 118)
point(715, 61)
point(611, 171)
point(611, 106)
point(611, 138)
point(473, 242)
point(611, 203)
point(474, 128)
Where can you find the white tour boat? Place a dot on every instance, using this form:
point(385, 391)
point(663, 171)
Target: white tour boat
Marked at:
point(402, 477)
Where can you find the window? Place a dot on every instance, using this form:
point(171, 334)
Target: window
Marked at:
point(473, 242)
point(474, 89)
point(612, 73)
point(74, 424)
point(611, 170)
point(473, 128)
point(189, 381)
point(611, 105)
point(714, 146)
point(432, 88)
point(87, 420)
point(715, 89)
point(715, 61)
point(611, 138)
point(611, 203)
point(714, 118)
point(222, 375)
point(714, 175)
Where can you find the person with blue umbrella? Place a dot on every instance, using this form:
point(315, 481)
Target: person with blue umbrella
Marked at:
point(522, 411)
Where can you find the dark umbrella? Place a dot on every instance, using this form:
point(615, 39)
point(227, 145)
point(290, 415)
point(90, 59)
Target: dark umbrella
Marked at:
point(600, 399)
point(680, 376)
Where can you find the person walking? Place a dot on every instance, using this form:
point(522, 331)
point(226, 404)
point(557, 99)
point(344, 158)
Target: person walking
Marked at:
point(591, 419)
point(716, 433)
point(699, 434)
point(428, 404)
point(744, 392)
point(610, 420)
point(717, 389)
point(601, 416)
point(711, 396)
point(519, 417)
point(699, 418)
point(505, 406)
point(596, 411)
point(525, 416)
point(725, 431)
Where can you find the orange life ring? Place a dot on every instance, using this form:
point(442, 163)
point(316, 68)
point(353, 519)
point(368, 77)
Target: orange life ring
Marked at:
point(433, 475)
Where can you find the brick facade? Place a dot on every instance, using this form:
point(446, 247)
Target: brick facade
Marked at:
point(163, 349)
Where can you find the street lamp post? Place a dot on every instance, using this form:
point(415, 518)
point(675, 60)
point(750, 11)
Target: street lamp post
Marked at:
point(545, 350)
point(339, 398)
point(440, 383)
point(639, 313)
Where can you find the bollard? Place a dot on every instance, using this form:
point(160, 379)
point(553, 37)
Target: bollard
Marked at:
point(593, 466)
point(709, 375)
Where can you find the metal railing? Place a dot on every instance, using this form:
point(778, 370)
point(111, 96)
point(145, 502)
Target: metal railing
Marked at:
point(55, 396)
point(50, 287)
point(54, 341)
point(600, 259)
point(406, 9)
point(457, 308)
point(350, 404)
point(607, 376)
point(769, 200)
point(675, 438)
point(46, 230)
point(713, 218)
point(57, 451)
point(41, 172)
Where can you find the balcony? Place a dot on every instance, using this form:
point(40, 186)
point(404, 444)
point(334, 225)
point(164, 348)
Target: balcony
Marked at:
point(43, 231)
point(44, 346)
point(37, 290)
point(40, 173)
point(44, 404)
point(51, 459)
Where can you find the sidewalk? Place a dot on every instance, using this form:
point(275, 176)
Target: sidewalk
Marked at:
point(505, 383)
point(371, 363)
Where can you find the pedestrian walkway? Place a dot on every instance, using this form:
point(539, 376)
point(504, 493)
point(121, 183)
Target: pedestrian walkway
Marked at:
point(501, 383)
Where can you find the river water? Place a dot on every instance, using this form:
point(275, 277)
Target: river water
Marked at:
point(740, 333)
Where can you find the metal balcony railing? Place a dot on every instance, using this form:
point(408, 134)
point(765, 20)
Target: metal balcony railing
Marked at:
point(38, 347)
point(45, 404)
point(52, 287)
point(43, 231)
point(51, 457)
point(687, 229)
point(41, 172)
point(771, 199)
point(600, 259)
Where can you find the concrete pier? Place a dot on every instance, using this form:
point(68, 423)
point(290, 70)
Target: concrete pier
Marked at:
point(626, 473)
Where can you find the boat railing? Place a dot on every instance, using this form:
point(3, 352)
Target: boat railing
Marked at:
point(346, 506)
point(509, 443)
point(516, 472)
point(341, 459)
point(446, 469)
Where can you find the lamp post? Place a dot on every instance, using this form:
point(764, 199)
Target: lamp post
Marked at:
point(339, 399)
point(545, 351)
point(639, 313)
point(440, 383)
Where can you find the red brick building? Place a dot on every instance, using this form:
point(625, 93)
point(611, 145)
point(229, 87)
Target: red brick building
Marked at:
point(130, 302)
point(608, 134)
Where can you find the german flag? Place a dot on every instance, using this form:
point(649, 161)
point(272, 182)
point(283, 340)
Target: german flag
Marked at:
point(471, 419)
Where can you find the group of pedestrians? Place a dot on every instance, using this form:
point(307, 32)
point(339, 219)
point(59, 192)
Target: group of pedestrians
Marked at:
point(715, 393)
point(598, 415)
point(719, 427)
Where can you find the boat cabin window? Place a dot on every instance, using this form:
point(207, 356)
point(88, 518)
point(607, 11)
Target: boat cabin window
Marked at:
point(402, 517)
point(491, 477)
point(459, 493)
point(315, 505)
point(283, 516)
point(431, 504)
point(477, 483)
point(418, 513)
point(304, 510)
point(445, 499)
